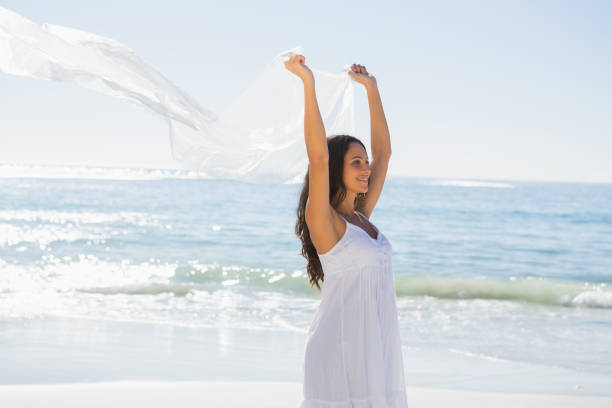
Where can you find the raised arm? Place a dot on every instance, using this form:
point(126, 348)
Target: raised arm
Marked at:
point(319, 214)
point(380, 139)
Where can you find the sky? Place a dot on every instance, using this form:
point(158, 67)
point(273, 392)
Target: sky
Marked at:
point(488, 90)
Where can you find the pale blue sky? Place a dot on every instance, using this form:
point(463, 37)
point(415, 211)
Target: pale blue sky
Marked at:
point(515, 90)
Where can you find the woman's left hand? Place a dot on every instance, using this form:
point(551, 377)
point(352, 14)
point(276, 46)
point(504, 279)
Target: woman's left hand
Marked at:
point(360, 74)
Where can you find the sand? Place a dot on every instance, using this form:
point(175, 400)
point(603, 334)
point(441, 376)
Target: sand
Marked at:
point(253, 394)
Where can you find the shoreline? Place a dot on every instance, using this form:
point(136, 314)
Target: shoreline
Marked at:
point(261, 394)
point(77, 351)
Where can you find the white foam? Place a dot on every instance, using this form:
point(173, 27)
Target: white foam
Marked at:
point(89, 287)
point(478, 355)
point(594, 298)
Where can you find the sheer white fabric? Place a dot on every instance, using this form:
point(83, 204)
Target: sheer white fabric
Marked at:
point(353, 355)
point(259, 139)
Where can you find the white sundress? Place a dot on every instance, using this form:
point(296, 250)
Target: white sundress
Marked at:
point(353, 355)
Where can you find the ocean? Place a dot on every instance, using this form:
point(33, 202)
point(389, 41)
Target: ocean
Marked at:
point(110, 274)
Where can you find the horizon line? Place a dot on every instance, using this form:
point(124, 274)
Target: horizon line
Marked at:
point(196, 174)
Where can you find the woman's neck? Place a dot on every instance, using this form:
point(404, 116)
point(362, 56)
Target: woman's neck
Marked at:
point(347, 206)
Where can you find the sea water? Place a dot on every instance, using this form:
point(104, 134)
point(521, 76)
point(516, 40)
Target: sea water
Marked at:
point(112, 274)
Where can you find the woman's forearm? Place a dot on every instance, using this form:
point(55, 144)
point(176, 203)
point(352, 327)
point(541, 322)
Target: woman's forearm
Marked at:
point(314, 131)
point(380, 138)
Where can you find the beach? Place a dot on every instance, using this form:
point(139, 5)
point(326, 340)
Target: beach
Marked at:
point(135, 287)
point(255, 394)
point(153, 175)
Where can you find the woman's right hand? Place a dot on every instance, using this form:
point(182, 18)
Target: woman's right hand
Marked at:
point(295, 64)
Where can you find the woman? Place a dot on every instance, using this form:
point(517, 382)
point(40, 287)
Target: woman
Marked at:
point(353, 354)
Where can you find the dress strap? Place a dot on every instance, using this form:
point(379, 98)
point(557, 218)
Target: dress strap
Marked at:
point(369, 223)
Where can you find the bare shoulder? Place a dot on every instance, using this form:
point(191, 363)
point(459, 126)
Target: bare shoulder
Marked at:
point(325, 231)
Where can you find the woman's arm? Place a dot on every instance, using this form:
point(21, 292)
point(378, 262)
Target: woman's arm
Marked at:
point(319, 214)
point(314, 131)
point(380, 139)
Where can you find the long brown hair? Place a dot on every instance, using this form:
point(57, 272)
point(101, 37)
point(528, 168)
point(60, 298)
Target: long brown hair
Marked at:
point(337, 146)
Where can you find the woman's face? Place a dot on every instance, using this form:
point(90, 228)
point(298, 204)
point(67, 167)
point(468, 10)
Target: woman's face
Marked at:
point(356, 169)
